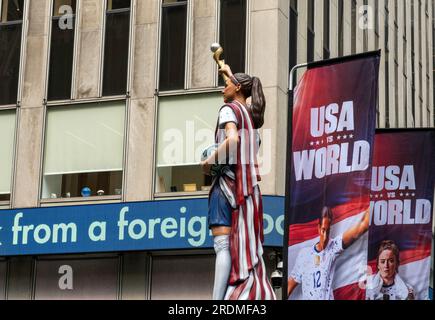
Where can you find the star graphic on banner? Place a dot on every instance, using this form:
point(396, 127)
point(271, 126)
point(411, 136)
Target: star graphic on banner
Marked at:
point(351, 136)
point(322, 142)
point(371, 196)
point(401, 194)
point(413, 194)
point(407, 194)
point(311, 143)
point(376, 196)
point(345, 136)
point(381, 195)
point(317, 142)
point(339, 138)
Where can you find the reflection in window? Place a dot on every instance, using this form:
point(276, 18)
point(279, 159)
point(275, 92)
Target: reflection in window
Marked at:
point(173, 45)
point(84, 150)
point(11, 18)
point(186, 126)
point(116, 47)
point(61, 50)
point(233, 34)
point(7, 137)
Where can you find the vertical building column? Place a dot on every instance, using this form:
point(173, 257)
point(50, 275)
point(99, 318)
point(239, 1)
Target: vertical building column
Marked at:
point(371, 31)
point(334, 38)
point(409, 101)
point(204, 32)
point(382, 69)
point(142, 118)
point(302, 31)
point(417, 61)
point(359, 31)
point(318, 29)
point(392, 114)
point(401, 71)
point(268, 54)
point(347, 27)
point(25, 191)
point(430, 43)
point(424, 63)
point(90, 37)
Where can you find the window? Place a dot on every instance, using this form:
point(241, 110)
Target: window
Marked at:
point(326, 32)
point(186, 126)
point(353, 26)
point(61, 50)
point(232, 36)
point(173, 45)
point(7, 138)
point(91, 279)
point(116, 47)
point(340, 27)
point(11, 22)
point(84, 150)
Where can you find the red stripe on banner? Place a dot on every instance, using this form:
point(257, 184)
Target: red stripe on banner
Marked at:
point(306, 231)
point(350, 292)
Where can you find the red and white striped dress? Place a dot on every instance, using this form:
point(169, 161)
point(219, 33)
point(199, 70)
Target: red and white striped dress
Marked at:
point(248, 278)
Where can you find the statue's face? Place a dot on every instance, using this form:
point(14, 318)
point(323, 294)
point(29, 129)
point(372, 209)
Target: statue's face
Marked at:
point(230, 91)
point(387, 264)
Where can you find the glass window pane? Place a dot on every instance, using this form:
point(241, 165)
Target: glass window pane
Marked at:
point(3, 275)
point(59, 8)
point(84, 148)
point(12, 10)
point(173, 47)
point(61, 61)
point(92, 279)
point(192, 274)
point(186, 126)
point(116, 53)
point(7, 139)
point(10, 48)
point(233, 34)
point(118, 4)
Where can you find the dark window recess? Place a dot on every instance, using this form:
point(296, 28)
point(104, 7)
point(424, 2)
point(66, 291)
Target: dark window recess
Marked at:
point(116, 53)
point(353, 27)
point(233, 34)
point(118, 4)
point(173, 47)
point(12, 10)
point(310, 31)
point(10, 48)
point(100, 184)
point(326, 32)
point(59, 10)
point(340, 27)
point(61, 61)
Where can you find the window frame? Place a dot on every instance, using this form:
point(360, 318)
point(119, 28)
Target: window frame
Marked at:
point(23, 49)
point(131, 41)
point(75, 54)
point(42, 202)
point(188, 50)
point(4, 205)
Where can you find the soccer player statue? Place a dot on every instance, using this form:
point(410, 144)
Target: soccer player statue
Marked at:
point(235, 202)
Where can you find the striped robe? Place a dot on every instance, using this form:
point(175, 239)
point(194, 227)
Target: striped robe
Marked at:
point(248, 278)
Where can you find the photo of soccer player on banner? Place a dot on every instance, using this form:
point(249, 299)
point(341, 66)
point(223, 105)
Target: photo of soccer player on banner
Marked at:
point(334, 119)
point(400, 234)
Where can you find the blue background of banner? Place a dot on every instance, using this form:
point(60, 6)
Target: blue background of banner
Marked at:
point(169, 224)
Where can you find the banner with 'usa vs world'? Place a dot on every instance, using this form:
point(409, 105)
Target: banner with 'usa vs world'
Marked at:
point(334, 119)
point(400, 234)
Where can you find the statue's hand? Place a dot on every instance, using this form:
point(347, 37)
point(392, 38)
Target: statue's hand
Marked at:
point(206, 168)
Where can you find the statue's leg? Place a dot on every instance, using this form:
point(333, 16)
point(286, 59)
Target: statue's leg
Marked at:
point(223, 266)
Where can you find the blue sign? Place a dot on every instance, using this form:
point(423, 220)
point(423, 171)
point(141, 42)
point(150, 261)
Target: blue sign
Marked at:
point(137, 226)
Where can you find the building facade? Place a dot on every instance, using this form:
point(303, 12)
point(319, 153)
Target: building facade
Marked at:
point(110, 102)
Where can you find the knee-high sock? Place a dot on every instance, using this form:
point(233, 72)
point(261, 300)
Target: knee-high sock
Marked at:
point(223, 266)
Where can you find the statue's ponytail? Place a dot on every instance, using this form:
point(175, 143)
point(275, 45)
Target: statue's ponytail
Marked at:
point(258, 103)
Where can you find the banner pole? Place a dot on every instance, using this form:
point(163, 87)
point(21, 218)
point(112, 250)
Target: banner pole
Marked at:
point(292, 75)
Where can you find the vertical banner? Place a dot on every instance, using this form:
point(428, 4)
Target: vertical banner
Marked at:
point(334, 120)
point(400, 234)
